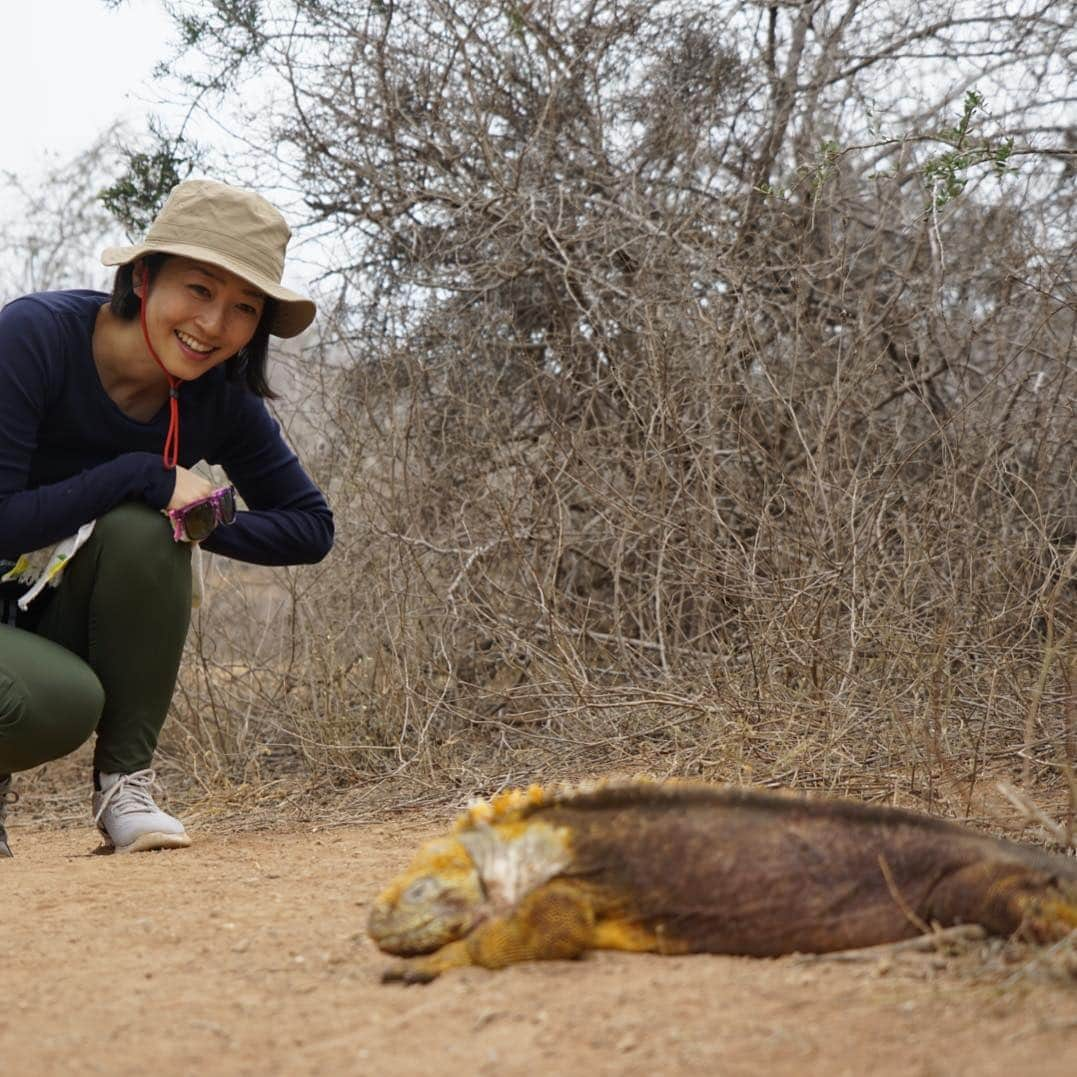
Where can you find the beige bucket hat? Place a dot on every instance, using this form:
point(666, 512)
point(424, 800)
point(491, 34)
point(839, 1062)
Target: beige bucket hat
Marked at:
point(227, 227)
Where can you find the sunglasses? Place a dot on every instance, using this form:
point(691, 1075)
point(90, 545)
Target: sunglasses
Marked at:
point(196, 521)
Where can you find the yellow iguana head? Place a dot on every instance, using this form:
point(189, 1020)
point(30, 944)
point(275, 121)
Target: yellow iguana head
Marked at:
point(439, 899)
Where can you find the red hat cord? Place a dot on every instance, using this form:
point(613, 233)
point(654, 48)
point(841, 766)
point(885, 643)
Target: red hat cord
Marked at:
point(171, 450)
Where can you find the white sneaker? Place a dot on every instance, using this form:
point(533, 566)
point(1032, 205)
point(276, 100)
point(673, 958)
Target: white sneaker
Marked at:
point(126, 815)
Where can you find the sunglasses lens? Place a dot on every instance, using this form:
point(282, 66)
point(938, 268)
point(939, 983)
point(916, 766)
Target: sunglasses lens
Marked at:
point(199, 521)
point(226, 506)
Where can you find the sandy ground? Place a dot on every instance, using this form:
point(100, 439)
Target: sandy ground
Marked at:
point(246, 954)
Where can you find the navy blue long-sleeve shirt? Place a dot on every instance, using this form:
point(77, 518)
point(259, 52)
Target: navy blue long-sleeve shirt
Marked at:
point(68, 454)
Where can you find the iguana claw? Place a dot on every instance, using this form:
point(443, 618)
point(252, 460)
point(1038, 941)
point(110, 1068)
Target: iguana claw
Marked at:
point(406, 973)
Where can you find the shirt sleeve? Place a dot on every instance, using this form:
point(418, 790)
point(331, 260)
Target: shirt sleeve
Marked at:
point(287, 520)
point(32, 357)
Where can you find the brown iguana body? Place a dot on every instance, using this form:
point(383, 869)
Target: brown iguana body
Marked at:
point(689, 868)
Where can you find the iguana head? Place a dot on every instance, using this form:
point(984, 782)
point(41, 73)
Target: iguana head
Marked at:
point(439, 899)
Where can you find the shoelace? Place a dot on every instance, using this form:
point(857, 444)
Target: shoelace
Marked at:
point(131, 793)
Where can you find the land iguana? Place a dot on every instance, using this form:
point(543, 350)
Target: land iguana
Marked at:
point(680, 867)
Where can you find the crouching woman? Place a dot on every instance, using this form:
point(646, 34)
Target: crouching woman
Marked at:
point(106, 403)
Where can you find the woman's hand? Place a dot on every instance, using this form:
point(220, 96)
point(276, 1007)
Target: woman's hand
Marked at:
point(189, 487)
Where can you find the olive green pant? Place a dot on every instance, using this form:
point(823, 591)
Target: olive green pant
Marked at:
point(101, 651)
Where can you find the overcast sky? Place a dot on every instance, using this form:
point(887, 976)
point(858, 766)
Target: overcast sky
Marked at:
point(70, 68)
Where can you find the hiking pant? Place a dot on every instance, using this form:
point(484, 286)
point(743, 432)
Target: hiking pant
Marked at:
point(101, 651)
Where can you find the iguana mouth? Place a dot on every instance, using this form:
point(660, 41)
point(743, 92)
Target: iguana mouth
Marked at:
point(402, 945)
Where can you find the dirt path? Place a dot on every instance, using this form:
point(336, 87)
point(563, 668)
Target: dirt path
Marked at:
point(245, 955)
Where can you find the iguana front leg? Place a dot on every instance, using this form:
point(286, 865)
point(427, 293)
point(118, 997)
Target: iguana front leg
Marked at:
point(554, 922)
point(421, 970)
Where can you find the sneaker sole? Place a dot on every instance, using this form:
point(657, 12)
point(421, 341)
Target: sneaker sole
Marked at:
point(145, 843)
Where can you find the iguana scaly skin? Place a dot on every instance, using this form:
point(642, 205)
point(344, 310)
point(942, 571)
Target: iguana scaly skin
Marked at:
point(677, 868)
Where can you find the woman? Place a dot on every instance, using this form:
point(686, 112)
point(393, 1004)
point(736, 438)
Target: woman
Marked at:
point(105, 406)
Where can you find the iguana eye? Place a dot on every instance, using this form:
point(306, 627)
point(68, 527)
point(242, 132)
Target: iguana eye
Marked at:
point(421, 889)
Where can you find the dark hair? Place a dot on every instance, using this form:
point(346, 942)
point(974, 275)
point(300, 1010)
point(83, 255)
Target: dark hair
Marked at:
point(248, 364)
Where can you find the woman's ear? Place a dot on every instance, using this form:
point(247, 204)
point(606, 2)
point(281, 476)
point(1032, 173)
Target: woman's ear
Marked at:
point(138, 278)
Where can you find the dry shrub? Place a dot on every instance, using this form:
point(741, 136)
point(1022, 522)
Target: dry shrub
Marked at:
point(673, 414)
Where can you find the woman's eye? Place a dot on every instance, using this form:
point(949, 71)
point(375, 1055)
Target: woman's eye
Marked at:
point(246, 308)
point(200, 289)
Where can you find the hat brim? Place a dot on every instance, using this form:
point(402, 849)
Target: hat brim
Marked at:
point(293, 313)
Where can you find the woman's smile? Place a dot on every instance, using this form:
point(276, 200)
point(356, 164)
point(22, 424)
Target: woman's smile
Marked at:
point(193, 345)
